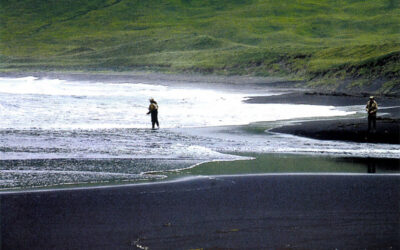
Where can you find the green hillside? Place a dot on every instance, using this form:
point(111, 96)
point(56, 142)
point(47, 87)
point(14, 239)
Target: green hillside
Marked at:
point(329, 43)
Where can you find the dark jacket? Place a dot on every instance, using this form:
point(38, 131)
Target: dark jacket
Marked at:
point(372, 107)
point(153, 107)
point(153, 110)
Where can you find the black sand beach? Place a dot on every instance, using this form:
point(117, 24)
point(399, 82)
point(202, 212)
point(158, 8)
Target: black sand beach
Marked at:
point(388, 130)
point(388, 122)
point(327, 99)
point(248, 212)
point(276, 211)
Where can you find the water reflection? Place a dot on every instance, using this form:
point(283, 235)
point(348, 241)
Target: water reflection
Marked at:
point(371, 166)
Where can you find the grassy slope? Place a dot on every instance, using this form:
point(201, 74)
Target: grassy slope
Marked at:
point(325, 41)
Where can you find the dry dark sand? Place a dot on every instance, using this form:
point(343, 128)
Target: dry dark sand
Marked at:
point(257, 212)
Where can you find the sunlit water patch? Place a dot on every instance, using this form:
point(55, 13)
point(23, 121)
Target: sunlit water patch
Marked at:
point(61, 132)
point(256, 138)
point(28, 103)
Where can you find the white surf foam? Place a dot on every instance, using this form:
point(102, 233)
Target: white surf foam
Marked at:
point(58, 104)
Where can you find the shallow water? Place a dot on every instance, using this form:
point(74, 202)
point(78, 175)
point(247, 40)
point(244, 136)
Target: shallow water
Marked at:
point(55, 132)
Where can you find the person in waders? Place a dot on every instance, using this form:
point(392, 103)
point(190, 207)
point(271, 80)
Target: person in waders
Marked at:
point(153, 110)
point(371, 108)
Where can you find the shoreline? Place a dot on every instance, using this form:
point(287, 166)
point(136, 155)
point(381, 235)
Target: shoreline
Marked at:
point(257, 164)
point(324, 99)
point(346, 129)
point(189, 178)
point(128, 76)
point(283, 82)
point(272, 211)
point(256, 211)
point(310, 129)
point(351, 130)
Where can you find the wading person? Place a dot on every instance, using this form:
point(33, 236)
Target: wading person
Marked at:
point(372, 108)
point(153, 110)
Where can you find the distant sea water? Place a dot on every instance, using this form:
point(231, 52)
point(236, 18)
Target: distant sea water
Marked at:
point(55, 132)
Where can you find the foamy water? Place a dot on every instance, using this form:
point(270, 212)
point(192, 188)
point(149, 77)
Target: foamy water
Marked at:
point(56, 104)
point(55, 131)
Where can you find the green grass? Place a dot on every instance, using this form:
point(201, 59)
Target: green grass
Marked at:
point(353, 41)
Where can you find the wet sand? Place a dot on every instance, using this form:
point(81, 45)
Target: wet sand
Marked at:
point(356, 130)
point(327, 99)
point(307, 211)
point(388, 119)
point(231, 212)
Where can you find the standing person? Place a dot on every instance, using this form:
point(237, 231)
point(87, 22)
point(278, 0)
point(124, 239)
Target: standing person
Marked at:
point(372, 108)
point(153, 110)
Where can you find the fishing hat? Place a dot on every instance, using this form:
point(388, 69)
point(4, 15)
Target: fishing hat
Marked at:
point(371, 97)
